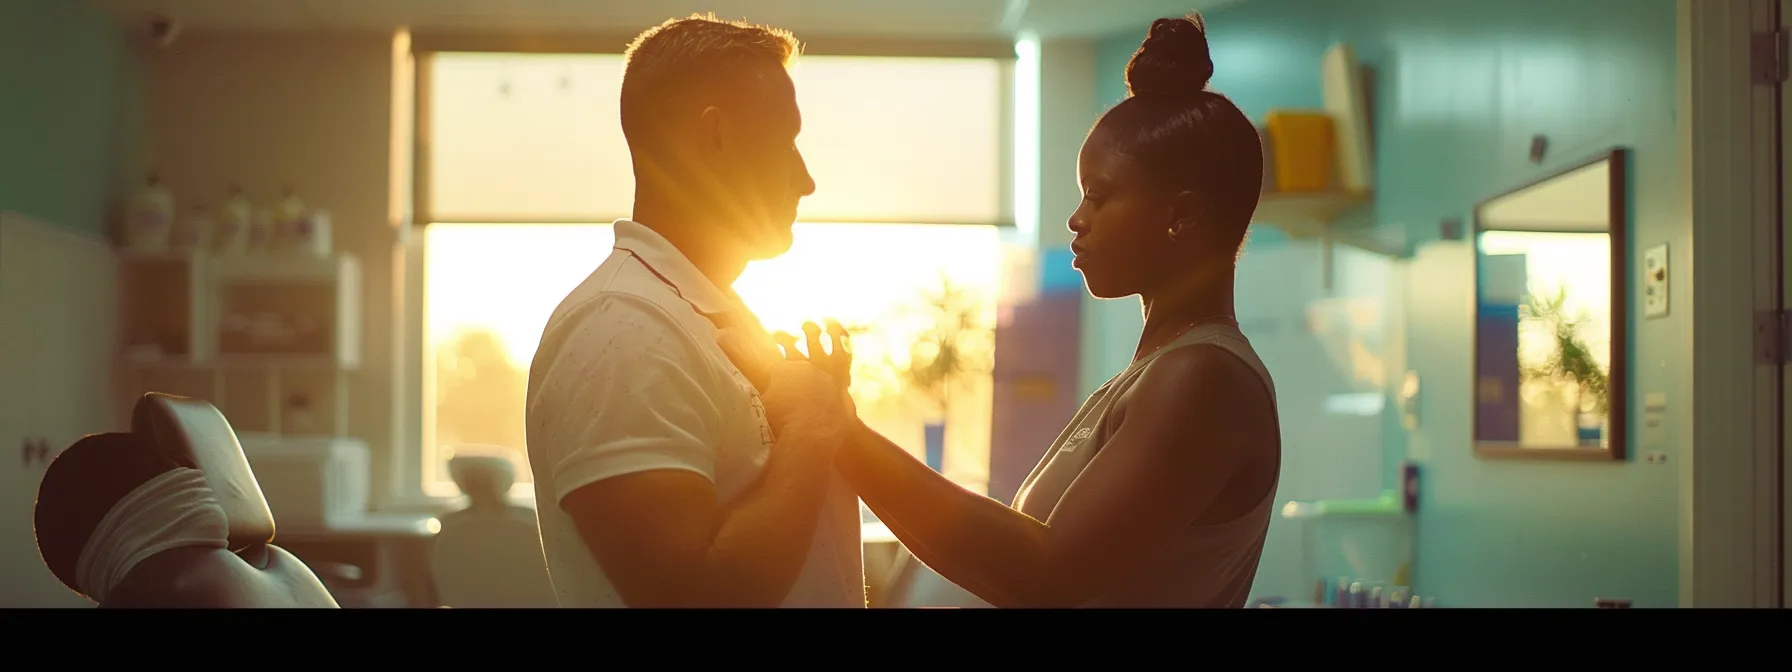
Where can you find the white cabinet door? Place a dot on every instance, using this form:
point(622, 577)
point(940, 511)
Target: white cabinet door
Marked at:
point(35, 368)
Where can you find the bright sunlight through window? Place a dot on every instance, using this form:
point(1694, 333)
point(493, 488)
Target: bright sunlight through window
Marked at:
point(489, 289)
point(521, 139)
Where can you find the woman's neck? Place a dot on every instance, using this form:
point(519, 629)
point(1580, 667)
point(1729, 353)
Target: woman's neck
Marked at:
point(1173, 310)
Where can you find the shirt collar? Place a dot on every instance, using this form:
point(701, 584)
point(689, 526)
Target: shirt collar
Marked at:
point(674, 268)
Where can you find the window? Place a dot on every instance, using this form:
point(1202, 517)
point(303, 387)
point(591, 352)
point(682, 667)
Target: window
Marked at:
point(527, 166)
point(535, 138)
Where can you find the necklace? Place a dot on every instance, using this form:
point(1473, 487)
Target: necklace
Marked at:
point(1222, 318)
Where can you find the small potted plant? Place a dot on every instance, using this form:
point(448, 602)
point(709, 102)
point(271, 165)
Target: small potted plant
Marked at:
point(1570, 362)
point(955, 344)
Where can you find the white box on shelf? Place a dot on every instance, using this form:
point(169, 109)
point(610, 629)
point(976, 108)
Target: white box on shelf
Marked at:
point(310, 481)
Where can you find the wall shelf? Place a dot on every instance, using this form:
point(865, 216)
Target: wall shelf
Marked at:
point(1319, 215)
point(270, 339)
point(1387, 506)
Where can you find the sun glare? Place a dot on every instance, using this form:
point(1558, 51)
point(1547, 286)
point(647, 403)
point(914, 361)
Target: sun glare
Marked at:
point(536, 137)
point(507, 278)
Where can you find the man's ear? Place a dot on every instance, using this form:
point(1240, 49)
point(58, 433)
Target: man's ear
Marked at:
point(712, 124)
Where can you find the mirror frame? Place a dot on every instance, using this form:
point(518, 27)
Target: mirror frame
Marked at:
point(1617, 380)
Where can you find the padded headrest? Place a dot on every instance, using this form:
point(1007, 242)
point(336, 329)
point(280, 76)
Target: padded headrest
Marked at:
point(195, 429)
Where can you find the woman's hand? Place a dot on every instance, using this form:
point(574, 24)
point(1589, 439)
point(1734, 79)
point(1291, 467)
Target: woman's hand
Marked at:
point(793, 374)
point(800, 394)
point(836, 358)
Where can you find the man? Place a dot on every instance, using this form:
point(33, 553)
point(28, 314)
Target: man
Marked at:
point(660, 481)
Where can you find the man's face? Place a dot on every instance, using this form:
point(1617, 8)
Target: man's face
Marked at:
point(759, 161)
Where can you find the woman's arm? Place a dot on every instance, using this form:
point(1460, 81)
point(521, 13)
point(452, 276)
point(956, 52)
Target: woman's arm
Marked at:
point(1188, 423)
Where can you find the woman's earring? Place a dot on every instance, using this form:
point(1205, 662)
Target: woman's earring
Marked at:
point(1172, 232)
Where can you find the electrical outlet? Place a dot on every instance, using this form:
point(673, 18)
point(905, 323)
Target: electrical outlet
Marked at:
point(1653, 457)
point(1655, 281)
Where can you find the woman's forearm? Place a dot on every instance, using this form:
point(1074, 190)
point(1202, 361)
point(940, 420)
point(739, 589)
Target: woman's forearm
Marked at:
point(997, 553)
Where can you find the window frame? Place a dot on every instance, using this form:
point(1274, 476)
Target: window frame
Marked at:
point(414, 407)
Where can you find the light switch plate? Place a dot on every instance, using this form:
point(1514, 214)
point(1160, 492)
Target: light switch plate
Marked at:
point(1655, 401)
point(1655, 281)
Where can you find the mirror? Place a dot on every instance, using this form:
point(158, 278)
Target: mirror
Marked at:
point(1549, 316)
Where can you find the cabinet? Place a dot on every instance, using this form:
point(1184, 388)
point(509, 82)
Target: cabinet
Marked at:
point(57, 312)
point(269, 339)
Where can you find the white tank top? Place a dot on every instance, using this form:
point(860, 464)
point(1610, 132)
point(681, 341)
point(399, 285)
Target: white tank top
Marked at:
point(1207, 566)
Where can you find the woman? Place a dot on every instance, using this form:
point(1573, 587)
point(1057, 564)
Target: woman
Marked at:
point(1159, 493)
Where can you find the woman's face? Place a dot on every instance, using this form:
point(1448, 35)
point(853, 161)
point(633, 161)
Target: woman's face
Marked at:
point(1122, 242)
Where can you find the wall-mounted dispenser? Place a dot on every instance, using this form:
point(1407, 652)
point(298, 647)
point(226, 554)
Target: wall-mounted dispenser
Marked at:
point(1409, 401)
point(1409, 487)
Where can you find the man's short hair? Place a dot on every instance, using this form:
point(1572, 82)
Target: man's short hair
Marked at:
point(699, 54)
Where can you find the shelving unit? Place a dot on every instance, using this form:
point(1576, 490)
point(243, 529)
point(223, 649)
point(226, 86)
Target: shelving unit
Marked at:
point(271, 340)
point(1369, 539)
point(1318, 214)
point(1386, 506)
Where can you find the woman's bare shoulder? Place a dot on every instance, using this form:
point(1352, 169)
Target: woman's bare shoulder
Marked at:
point(1203, 372)
point(1204, 389)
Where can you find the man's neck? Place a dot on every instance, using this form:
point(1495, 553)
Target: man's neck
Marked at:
point(695, 236)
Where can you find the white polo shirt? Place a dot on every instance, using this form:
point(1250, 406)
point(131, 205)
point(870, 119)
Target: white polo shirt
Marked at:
point(629, 378)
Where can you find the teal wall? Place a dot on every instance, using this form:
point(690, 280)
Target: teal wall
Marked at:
point(70, 112)
point(1460, 89)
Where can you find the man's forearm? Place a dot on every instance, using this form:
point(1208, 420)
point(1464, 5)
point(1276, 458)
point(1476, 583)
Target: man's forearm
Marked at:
point(764, 537)
point(983, 545)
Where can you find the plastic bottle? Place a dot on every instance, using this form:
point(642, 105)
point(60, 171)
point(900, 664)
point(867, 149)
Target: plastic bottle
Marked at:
point(311, 233)
point(235, 219)
point(290, 220)
point(151, 222)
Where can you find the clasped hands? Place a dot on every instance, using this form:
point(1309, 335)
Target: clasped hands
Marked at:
point(797, 388)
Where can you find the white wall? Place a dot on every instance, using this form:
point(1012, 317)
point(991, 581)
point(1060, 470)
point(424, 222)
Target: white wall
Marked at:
point(312, 111)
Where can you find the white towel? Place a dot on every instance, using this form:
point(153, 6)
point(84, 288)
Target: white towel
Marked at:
point(174, 510)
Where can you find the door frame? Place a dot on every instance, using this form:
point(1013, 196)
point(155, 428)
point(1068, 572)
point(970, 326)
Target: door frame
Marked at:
point(1785, 248)
point(1730, 476)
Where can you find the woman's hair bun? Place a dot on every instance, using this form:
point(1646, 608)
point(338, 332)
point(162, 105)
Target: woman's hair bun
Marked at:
point(1173, 61)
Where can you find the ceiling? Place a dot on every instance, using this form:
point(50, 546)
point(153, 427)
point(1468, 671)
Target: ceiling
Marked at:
point(931, 19)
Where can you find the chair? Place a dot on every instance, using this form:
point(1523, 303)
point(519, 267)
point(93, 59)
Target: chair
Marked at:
point(488, 555)
point(196, 431)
